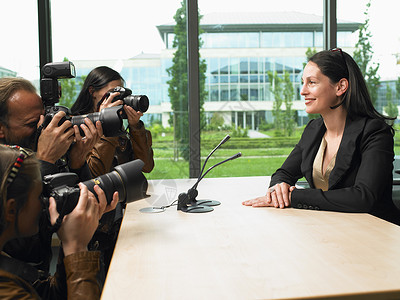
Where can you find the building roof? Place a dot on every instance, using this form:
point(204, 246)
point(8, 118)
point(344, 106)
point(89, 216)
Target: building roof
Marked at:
point(262, 21)
point(261, 18)
point(144, 55)
point(7, 72)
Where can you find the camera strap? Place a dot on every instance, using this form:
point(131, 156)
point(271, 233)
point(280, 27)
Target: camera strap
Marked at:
point(54, 228)
point(21, 269)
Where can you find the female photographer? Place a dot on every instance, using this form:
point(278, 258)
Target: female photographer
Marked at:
point(20, 210)
point(112, 151)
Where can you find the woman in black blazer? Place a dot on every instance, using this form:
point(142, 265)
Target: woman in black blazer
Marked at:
point(346, 155)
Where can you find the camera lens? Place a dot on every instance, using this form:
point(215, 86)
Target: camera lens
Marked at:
point(137, 102)
point(127, 179)
point(110, 118)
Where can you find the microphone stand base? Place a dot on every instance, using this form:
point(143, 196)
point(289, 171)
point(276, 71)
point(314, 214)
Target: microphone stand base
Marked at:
point(205, 202)
point(152, 209)
point(196, 209)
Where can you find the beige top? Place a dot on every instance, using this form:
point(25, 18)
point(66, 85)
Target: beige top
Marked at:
point(321, 179)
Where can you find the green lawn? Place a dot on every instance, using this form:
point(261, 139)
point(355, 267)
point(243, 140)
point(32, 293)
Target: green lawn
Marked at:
point(254, 162)
point(243, 166)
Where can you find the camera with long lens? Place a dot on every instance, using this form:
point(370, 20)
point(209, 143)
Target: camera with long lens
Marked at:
point(50, 89)
point(137, 102)
point(127, 179)
point(111, 119)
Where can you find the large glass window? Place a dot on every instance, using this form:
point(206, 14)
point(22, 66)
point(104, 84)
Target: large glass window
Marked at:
point(19, 50)
point(231, 40)
point(384, 42)
point(125, 37)
point(243, 46)
point(287, 39)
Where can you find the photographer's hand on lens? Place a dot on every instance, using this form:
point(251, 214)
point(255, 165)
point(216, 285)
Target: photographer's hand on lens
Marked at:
point(78, 227)
point(113, 202)
point(54, 140)
point(278, 196)
point(83, 145)
point(133, 116)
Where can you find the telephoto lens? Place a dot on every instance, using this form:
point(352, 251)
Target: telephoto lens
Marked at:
point(111, 119)
point(137, 102)
point(127, 179)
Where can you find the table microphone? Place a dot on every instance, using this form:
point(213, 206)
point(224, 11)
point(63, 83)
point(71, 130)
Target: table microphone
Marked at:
point(187, 201)
point(193, 191)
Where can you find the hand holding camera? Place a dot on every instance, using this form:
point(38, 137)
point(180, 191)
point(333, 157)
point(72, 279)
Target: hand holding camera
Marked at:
point(55, 139)
point(127, 179)
point(78, 227)
point(108, 101)
point(83, 144)
point(134, 105)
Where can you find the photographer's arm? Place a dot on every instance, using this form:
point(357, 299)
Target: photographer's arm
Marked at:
point(141, 139)
point(142, 146)
point(83, 145)
point(101, 156)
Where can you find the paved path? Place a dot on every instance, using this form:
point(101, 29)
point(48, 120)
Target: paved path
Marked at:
point(255, 134)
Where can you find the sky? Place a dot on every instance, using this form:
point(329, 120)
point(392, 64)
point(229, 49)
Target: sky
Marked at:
point(120, 29)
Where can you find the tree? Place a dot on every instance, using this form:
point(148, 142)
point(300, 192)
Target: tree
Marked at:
point(276, 89)
point(177, 90)
point(390, 109)
point(363, 56)
point(69, 90)
point(283, 92)
point(288, 95)
point(216, 122)
point(398, 88)
point(309, 53)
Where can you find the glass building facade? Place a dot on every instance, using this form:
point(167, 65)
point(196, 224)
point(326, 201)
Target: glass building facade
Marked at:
point(239, 54)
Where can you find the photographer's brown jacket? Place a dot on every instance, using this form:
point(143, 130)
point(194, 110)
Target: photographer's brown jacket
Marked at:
point(74, 279)
point(112, 151)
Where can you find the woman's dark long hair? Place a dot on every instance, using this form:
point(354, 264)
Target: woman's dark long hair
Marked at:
point(336, 64)
point(97, 79)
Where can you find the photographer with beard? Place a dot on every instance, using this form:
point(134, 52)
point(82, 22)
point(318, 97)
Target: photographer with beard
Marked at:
point(59, 148)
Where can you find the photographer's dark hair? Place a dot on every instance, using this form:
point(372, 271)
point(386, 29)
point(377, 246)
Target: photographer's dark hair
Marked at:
point(96, 79)
point(337, 64)
point(21, 186)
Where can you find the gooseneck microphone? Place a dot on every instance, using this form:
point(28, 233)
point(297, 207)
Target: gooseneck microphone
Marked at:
point(187, 201)
point(211, 153)
point(193, 190)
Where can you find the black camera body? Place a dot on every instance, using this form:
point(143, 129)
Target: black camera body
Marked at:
point(127, 179)
point(137, 102)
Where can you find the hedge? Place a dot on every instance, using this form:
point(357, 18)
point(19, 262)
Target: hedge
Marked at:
point(237, 143)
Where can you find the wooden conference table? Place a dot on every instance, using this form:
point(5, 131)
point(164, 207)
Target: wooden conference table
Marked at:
point(239, 252)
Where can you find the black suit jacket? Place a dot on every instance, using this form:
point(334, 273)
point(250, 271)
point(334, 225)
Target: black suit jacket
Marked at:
point(362, 178)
